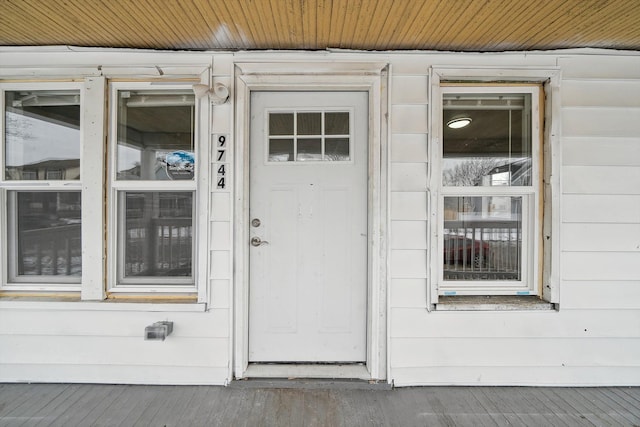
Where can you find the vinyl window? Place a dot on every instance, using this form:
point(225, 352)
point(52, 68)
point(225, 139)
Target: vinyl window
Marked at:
point(489, 181)
point(41, 186)
point(152, 188)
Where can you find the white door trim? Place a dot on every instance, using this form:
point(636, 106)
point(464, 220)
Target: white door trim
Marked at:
point(370, 77)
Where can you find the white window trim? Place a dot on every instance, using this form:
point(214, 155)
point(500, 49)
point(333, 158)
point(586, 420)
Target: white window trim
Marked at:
point(47, 283)
point(198, 186)
point(550, 78)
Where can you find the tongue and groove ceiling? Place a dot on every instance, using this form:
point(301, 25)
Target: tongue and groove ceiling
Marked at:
point(459, 25)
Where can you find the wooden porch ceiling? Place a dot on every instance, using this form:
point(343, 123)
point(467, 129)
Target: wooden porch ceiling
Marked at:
point(464, 25)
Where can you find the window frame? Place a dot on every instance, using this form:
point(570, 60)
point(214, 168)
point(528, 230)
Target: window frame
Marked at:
point(528, 283)
point(547, 253)
point(116, 188)
point(8, 280)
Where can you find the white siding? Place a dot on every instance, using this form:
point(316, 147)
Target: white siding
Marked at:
point(408, 201)
point(74, 345)
point(594, 338)
point(44, 340)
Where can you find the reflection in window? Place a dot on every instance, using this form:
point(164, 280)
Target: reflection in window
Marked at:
point(336, 123)
point(47, 240)
point(494, 149)
point(158, 234)
point(42, 133)
point(336, 149)
point(155, 135)
point(280, 150)
point(309, 149)
point(482, 238)
point(309, 136)
point(309, 123)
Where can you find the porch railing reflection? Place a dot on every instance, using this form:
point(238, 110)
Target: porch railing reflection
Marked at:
point(482, 249)
point(159, 247)
point(50, 251)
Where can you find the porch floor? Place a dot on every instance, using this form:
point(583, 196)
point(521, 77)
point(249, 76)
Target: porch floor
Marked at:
point(314, 404)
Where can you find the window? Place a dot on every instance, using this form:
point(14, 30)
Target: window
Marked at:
point(304, 136)
point(41, 186)
point(489, 179)
point(96, 202)
point(153, 146)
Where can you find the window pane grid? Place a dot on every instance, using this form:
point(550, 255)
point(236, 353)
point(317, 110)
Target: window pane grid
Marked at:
point(303, 136)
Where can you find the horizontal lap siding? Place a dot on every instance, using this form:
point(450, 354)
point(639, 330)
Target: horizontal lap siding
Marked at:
point(518, 375)
point(592, 339)
point(522, 352)
point(409, 161)
point(601, 186)
point(109, 346)
point(595, 336)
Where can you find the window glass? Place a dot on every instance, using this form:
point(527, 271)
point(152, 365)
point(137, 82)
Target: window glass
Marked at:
point(281, 150)
point(47, 233)
point(155, 135)
point(482, 238)
point(42, 133)
point(487, 140)
point(309, 140)
point(336, 123)
point(336, 149)
point(157, 239)
point(309, 123)
point(281, 124)
point(309, 149)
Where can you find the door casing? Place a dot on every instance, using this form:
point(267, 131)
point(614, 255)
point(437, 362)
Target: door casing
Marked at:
point(316, 76)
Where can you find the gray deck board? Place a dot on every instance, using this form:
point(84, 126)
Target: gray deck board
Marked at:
point(551, 410)
point(127, 405)
point(606, 405)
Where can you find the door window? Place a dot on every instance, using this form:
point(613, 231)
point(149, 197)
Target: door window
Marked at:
point(308, 136)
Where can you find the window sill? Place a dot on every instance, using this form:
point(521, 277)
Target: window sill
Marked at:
point(55, 304)
point(493, 303)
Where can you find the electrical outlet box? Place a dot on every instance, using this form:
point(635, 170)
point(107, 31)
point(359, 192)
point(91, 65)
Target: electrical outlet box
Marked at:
point(158, 331)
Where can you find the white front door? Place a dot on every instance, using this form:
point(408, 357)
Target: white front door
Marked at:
point(308, 227)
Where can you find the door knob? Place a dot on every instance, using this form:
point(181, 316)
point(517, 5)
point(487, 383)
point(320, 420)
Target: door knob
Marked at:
point(256, 241)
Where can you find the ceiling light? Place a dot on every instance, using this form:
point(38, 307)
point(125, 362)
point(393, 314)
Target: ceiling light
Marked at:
point(458, 122)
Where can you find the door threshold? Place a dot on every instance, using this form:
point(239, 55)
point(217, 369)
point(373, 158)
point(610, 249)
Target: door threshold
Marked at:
point(294, 371)
point(311, 384)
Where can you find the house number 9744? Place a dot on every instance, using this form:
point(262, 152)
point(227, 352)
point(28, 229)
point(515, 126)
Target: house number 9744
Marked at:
point(221, 167)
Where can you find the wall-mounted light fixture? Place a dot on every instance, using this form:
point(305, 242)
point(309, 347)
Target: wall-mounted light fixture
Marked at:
point(459, 122)
point(218, 94)
point(158, 331)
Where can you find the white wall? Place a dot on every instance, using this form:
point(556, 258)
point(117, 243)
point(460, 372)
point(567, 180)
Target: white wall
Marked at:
point(53, 339)
point(594, 338)
point(103, 343)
